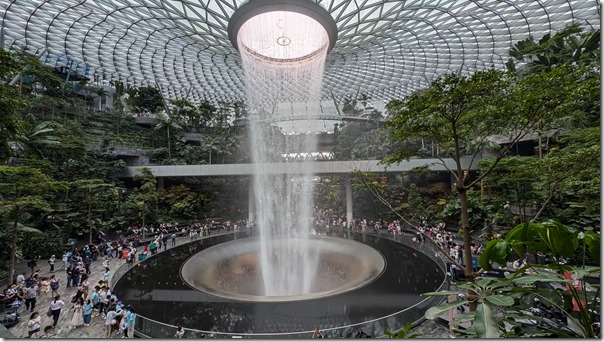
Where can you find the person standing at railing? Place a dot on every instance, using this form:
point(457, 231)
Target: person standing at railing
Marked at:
point(180, 332)
point(130, 318)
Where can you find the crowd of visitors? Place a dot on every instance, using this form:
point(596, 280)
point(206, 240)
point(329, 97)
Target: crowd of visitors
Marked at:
point(32, 294)
point(93, 298)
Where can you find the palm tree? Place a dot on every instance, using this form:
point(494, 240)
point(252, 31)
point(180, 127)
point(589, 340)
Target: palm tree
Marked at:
point(375, 116)
point(131, 93)
point(211, 144)
point(31, 136)
point(364, 100)
point(167, 122)
point(568, 45)
point(100, 93)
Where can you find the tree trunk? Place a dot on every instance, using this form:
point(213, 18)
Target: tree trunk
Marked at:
point(467, 240)
point(13, 251)
point(169, 147)
point(540, 147)
point(143, 227)
point(89, 223)
point(465, 220)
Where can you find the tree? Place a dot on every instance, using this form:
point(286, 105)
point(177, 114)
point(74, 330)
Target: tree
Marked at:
point(10, 103)
point(185, 112)
point(32, 137)
point(180, 201)
point(148, 99)
point(15, 98)
point(207, 111)
point(168, 122)
point(130, 97)
point(569, 45)
point(145, 197)
point(95, 193)
point(22, 191)
point(100, 93)
point(349, 107)
point(459, 113)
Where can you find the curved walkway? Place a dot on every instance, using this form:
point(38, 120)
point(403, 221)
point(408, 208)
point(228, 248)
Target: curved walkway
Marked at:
point(96, 329)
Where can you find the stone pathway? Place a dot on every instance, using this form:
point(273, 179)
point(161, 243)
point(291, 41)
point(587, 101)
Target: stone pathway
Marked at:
point(96, 329)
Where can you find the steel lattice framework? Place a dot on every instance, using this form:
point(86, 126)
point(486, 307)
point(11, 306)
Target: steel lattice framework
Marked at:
point(385, 49)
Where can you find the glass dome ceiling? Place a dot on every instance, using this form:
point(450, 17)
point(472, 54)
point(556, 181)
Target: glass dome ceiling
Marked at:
point(385, 49)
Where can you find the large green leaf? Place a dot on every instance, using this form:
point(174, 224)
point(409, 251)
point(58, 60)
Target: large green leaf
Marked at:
point(485, 323)
point(542, 277)
point(26, 229)
point(435, 311)
point(592, 240)
point(484, 282)
point(462, 318)
point(441, 293)
point(522, 232)
point(579, 273)
point(519, 237)
point(500, 300)
point(558, 238)
point(496, 251)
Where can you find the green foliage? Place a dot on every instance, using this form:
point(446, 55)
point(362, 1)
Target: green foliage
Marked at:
point(169, 123)
point(503, 303)
point(403, 333)
point(180, 201)
point(16, 99)
point(22, 200)
point(144, 198)
point(191, 116)
point(33, 137)
point(549, 237)
point(479, 212)
point(147, 99)
point(98, 199)
point(329, 195)
point(569, 45)
point(359, 141)
point(41, 244)
point(453, 111)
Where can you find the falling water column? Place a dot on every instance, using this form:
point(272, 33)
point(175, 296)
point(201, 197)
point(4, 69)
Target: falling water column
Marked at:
point(283, 55)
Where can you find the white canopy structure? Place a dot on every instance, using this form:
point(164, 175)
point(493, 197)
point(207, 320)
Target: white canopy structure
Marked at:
point(384, 49)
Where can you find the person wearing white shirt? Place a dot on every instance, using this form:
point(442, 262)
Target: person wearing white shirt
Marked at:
point(33, 325)
point(180, 331)
point(21, 278)
point(55, 308)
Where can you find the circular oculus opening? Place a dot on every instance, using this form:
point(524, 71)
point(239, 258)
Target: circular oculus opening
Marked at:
point(282, 36)
point(232, 269)
point(282, 30)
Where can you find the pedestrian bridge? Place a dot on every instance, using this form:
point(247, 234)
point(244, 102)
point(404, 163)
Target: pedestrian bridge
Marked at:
point(318, 168)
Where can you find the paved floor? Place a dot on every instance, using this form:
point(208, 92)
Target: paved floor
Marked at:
point(96, 329)
point(427, 329)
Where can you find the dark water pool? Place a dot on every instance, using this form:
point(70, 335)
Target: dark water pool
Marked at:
point(156, 290)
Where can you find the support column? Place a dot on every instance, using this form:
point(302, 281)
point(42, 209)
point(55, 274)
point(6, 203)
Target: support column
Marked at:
point(348, 201)
point(160, 183)
point(251, 205)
